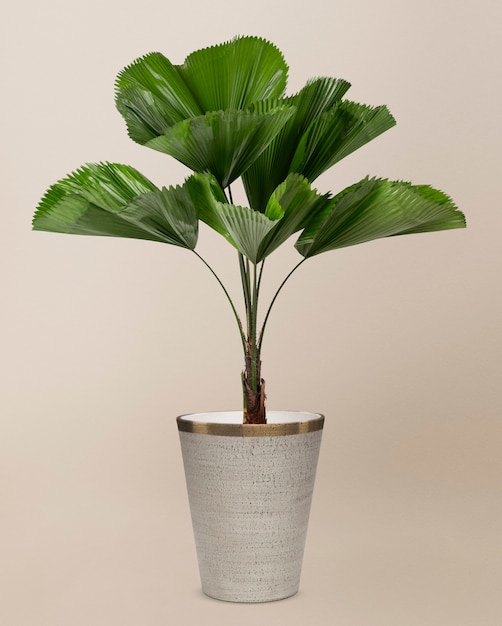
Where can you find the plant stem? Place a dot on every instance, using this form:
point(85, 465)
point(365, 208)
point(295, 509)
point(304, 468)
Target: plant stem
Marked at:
point(273, 301)
point(261, 273)
point(254, 322)
point(236, 315)
point(244, 270)
point(253, 387)
point(246, 289)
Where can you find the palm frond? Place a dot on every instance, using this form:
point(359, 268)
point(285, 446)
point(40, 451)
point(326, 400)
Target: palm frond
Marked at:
point(206, 195)
point(242, 227)
point(272, 167)
point(246, 228)
point(234, 74)
point(169, 214)
point(337, 133)
point(376, 208)
point(151, 96)
point(114, 200)
point(224, 143)
point(292, 205)
point(316, 97)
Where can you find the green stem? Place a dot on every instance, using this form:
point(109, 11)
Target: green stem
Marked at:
point(246, 289)
point(261, 274)
point(254, 323)
point(236, 315)
point(273, 301)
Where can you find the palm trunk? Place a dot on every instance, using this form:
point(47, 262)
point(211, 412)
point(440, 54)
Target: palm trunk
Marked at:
point(253, 387)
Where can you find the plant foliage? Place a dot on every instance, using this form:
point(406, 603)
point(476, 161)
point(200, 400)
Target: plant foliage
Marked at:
point(225, 115)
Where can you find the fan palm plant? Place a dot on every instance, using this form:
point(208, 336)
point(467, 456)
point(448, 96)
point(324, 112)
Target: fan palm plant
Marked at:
point(224, 114)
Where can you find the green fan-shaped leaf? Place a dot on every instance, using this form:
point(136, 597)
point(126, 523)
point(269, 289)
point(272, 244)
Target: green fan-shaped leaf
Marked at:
point(256, 234)
point(316, 97)
point(336, 134)
point(224, 143)
point(73, 214)
point(292, 205)
point(234, 74)
point(106, 185)
point(375, 208)
point(115, 200)
point(151, 96)
point(169, 214)
point(206, 195)
point(273, 165)
point(246, 228)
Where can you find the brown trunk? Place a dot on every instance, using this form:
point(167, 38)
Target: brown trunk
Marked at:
point(254, 410)
point(254, 400)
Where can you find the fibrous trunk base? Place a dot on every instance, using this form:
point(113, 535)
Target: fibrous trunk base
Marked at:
point(253, 387)
point(254, 403)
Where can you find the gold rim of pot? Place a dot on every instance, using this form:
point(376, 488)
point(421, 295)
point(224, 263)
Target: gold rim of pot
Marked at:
point(189, 424)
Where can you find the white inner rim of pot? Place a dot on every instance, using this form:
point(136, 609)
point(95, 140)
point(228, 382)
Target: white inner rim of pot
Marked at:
point(235, 417)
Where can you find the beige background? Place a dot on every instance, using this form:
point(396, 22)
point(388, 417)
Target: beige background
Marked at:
point(398, 342)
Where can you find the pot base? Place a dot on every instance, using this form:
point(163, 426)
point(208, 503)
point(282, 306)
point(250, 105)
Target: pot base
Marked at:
point(260, 600)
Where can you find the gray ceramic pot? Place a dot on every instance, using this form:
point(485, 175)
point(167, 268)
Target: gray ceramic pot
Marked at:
point(250, 489)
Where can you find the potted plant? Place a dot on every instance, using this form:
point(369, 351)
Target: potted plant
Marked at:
point(224, 114)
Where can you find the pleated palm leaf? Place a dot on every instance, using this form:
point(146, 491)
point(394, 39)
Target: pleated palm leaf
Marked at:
point(224, 114)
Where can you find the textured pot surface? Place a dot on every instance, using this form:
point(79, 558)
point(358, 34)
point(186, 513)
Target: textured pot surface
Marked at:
point(250, 489)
